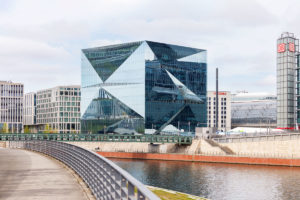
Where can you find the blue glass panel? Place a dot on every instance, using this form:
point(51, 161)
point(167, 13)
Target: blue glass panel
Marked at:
point(107, 59)
point(87, 96)
point(89, 76)
point(106, 113)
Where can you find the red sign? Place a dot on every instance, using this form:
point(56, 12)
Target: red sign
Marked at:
point(292, 47)
point(220, 93)
point(281, 48)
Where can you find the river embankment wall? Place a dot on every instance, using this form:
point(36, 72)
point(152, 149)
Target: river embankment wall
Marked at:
point(260, 151)
point(197, 147)
point(272, 147)
point(255, 147)
point(205, 158)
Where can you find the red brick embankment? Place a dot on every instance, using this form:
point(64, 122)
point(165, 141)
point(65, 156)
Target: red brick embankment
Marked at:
point(205, 158)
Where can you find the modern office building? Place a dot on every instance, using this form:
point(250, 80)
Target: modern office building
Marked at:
point(253, 110)
point(11, 112)
point(58, 109)
point(29, 113)
point(224, 110)
point(287, 49)
point(130, 87)
point(29, 110)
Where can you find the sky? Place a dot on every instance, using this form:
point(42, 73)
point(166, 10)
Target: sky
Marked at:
point(41, 41)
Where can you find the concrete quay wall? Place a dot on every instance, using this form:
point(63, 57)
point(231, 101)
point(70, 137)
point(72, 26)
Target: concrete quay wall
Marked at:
point(197, 147)
point(269, 148)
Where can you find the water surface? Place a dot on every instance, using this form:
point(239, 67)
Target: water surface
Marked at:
point(218, 181)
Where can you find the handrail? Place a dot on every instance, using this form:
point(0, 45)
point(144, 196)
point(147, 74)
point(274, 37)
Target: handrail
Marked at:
point(251, 138)
point(105, 179)
point(99, 138)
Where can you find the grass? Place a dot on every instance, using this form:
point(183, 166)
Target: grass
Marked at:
point(172, 195)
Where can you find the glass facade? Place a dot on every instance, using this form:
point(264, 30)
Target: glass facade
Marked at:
point(131, 87)
point(253, 113)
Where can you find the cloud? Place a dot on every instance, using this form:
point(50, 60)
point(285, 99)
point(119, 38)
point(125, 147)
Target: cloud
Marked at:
point(104, 42)
point(268, 80)
point(16, 48)
point(41, 40)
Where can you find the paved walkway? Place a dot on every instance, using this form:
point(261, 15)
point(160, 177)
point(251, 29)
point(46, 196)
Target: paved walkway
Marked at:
point(27, 175)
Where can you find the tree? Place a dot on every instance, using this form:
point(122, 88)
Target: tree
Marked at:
point(73, 130)
point(26, 129)
point(4, 128)
point(47, 129)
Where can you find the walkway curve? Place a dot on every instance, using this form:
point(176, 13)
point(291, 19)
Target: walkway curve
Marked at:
point(28, 175)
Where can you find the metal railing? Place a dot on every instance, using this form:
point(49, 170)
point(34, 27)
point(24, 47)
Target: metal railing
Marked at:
point(242, 138)
point(98, 138)
point(106, 180)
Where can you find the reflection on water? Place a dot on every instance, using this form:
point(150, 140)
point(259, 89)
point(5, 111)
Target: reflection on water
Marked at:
point(217, 181)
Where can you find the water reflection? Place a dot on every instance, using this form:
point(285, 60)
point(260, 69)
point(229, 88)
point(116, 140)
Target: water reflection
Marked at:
point(217, 181)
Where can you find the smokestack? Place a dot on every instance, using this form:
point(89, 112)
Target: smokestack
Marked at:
point(217, 99)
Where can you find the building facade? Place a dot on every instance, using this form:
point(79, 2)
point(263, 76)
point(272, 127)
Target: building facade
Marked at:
point(253, 110)
point(287, 49)
point(58, 109)
point(11, 111)
point(29, 110)
point(131, 87)
point(224, 110)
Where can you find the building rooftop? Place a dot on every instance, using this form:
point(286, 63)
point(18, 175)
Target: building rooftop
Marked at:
point(10, 82)
point(255, 96)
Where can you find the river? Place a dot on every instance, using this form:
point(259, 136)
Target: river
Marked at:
point(218, 181)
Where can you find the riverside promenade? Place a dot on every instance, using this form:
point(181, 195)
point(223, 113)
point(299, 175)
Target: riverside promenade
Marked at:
point(29, 175)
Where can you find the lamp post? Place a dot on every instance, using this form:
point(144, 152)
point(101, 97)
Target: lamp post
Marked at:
point(178, 128)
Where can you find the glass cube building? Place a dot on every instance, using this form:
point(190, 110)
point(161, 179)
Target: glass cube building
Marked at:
point(138, 86)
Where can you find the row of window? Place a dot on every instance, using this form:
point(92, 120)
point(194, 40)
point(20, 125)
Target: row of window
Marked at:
point(48, 100)
point(51, 120)
point(222, 108)
point(58, 104)
point(222, 103)
point(223, 116)
point(61, 114)
point(49, 110)
point(48, 94)
point(210, 98)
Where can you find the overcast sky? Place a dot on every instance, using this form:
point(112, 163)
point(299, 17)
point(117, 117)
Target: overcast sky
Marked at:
point(40, 41)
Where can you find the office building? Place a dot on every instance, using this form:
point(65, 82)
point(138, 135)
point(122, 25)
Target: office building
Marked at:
point(224, 110)
point(253, 110)
point(287, 49)
point(29, 110)
point(11, 112)
point(29, 113)
point(58, 109)
point(130, 87)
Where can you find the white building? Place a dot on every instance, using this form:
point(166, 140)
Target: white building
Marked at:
point(29, 117)
point(11, 110)
point(224, 110)
point(59, 109)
